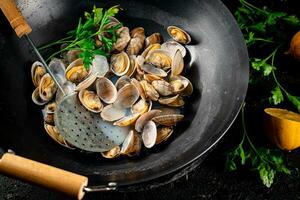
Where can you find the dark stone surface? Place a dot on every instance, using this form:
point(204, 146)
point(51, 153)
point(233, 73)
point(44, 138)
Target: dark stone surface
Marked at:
point(208, 181)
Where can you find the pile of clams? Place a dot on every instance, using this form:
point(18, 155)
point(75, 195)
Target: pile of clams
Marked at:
point(140, 86)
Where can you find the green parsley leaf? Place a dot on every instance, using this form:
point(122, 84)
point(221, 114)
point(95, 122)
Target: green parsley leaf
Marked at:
point(294, 100)
point(266, 174)
point(258, 27)
point(292, 20)
point(262, 66)
point(277, 96)
point(273, 17)
point(98, 13)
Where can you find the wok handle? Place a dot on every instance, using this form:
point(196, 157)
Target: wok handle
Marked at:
point(15, 18)
point(43, 175)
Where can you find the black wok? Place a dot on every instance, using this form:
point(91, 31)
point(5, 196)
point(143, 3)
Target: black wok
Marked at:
point(218, 69)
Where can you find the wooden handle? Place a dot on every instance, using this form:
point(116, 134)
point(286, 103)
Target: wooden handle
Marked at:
point(43, 175)
point(15, 18)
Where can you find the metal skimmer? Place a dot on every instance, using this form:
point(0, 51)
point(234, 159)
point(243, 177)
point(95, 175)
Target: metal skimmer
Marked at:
point(80, 127)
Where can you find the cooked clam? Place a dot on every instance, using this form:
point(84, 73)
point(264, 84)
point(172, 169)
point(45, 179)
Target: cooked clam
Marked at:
point(179, 102)
point(76, 71)
point(168, 120)
point(137, 41)
point(122, 81)
point(151, 69)
point(141, 107)
point(132, 144)
point(71, 55)
point(150, 48)
point(149, 134)
point(132, 67)
point(112, 113)
point(162, 87)
point(177, 64)
point(47, 87)
point(168, 100)
point(106, 90)
point(36, 98)
point(151, 77)
point(172, 47)
point(138, 32)
point(37, 72)
point(150, 92)
point(48, 113)
point(113, 153)
point(123, 39)
point(154, 38)
point(163, 133)
point(99, 66)
point(127, 96)
point(143, 119)
point(179, 35)
point(120, 63)
point(54, 134)
point(139, 62)
point(181, 84)
point(87, 83)
point(90, 101)
point(159, 58)
point(127, 120)
point(139, 87)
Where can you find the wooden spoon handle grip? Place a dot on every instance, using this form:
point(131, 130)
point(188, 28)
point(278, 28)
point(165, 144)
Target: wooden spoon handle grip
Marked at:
point(43, 175)
point(15, 18)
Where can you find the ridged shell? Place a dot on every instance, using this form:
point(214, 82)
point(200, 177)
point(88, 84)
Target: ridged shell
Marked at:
point(123, 40)
point(168, 120)
point(163, 133)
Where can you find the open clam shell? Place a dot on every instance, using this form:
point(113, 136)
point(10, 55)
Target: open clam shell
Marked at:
point(48, 113)
point(113, 153)
point(179, 102)
point(162, 87)
point(181, 85)
point(122, 81)
point(139, 87)
point(112, 113)
point(151, 69)
point(136, 42)
point(149, 134)
point(150, 48)
point(163, 133)
point(154, 38)
point(100, 66)
point(127, 96)
point(37, 72)
point(127, 120)
point(36, 98)
point(168, 120)
point(179, 35)
point(143, 119)
point(58, 69)
point(47, 88)
point(90, 101)
point(76, 71)
point(168, 100)
point(89, 82)
point(141, 107)
point(55, 135)
point(132, 67)
point(172, 47)
point(177, 64)
point(123, 39)
point(71, 55)
point(151, 77)
point(68, 88)
point(160, 58)
point(150, 91)
point(106, 90)
point(120, 63)
point(132, 144)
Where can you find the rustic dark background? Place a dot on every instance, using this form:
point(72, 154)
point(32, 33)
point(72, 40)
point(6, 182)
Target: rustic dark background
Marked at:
point(209, 180)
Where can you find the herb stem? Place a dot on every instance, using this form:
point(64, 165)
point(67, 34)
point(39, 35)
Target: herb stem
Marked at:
point(61, 41)
point(247, 4)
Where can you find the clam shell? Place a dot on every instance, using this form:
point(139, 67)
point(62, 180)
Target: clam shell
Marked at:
point(172, 47)
point(58, 70)
point(132, 67)
point(132, 144)
point(138, 32)
point(36, 98)
point(151, 69)
point(149, 134)
point(141, 107)
point(139, 87)
point(151, 77)
point(47, 88)
point(50, 107)
point(71, 55)
point(163, 133)
point(54, 134)
point(179, 34)
point(177, 64)
point(168, 100)
point(179, 102)
point(160, 58)
point(113, 153)
point(99, 66)
point(90, 101)
point(68, 88)
point(168, 120)
point(127, 96)
point(181, 85)
point(76, 71)
point(150, 92)
point(135, 46)
point(143, 119)
point(162, 87)
point(112, 113)
point(37, 72)
point(106, 90)
point(127, 120)
point(150, 48)
point(123, 40)
point(86, 83)
point(120, 63)
point(154, 38)
point(122, 81)
point(139, 62)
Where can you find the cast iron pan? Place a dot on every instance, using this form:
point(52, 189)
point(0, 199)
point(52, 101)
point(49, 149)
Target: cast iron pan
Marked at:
point(218, 69)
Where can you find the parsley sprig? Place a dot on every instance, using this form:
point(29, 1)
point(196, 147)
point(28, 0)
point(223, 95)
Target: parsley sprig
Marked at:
point(265, 161)
point(83, 38)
